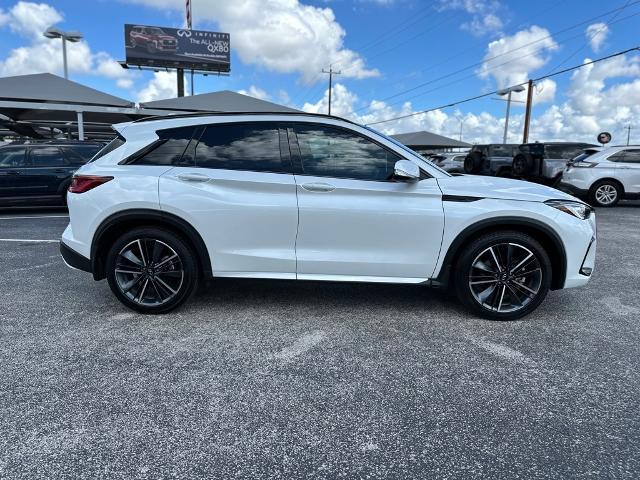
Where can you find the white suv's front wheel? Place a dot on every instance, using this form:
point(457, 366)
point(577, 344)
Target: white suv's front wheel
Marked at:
point(503, 275)
point(151, 270)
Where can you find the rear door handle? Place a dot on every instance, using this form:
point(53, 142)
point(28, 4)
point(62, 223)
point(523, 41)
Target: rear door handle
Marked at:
point(13, 172)
point(194, 177)
point(318, 187)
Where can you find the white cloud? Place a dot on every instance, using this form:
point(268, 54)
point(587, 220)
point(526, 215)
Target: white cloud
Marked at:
point(161, 86)
point(284, 36)
point(485, 15)
point(596, 34)
point(29, 20)
point(511, 58)
point(255, 92)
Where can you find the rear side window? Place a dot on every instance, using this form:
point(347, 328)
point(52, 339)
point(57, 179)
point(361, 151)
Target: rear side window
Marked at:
point(584, 155)
point(626, 156)
point(12, 157)
point(108, 148)
point(332, 152)
point(169, 150)
point(501, 151)
point(46, 157)
point(241, 146)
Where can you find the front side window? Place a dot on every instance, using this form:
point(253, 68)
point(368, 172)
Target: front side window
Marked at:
point(333, 152)
point(47, 157)
point(12, 157)
point(241, 146)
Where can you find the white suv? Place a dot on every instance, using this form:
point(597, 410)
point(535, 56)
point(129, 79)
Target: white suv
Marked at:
point(312, 197)
point(604, 175)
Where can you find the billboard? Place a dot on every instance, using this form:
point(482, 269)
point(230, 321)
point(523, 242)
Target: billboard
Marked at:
point(177, 48)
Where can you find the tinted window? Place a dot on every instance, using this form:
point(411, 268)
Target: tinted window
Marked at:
point(12, 157)
point(73, 156)
point(170, 149)
point(626, 156)
point(566, 152)
point(584, 155)
point(246, 146)
point(85, 151)
point(502, 151)
point(46, 157)
point(330, 152)
point(108, 148)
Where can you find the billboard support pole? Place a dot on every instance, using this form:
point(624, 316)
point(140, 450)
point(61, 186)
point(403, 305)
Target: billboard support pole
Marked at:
point(180, 82)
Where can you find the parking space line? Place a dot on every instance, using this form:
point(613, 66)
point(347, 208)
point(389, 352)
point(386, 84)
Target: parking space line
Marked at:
point(34, 216)
point(27, 240)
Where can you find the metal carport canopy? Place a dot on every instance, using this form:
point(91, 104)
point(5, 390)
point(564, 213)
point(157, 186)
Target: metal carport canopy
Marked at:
point(223, 101)
point(425, 140)
point(44, 100)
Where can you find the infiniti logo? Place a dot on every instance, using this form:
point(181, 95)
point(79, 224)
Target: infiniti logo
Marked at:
point(184, 33)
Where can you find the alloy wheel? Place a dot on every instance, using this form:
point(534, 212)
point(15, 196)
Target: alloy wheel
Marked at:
point(149, 272)
point(606, 194)
point(505, 277)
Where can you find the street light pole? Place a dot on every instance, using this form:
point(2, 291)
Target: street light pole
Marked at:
point(73, 36)
point(508, 92)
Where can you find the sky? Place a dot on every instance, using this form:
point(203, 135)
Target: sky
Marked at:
point(396, 58)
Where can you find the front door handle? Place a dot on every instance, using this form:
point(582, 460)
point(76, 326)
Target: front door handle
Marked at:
point(318, 187)
point(194, 177)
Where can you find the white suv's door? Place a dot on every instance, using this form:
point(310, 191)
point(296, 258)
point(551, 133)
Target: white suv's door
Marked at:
point(356, 222)
point(628, 170)
point(240, 195)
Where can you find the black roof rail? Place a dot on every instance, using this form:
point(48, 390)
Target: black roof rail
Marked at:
point(172, 116)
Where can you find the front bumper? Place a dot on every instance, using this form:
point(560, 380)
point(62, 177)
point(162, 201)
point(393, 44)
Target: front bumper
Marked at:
point(73, 259)
point(572, 189)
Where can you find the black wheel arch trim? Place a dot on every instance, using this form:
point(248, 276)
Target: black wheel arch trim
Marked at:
point(141, 215)
point(442, 280)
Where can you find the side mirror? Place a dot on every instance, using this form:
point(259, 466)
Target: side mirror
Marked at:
point(406, 170)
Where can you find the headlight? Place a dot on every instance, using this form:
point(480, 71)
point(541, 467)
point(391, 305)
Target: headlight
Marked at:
point(577, 209)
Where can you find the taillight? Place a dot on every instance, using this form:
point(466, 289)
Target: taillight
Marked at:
point(84, 183)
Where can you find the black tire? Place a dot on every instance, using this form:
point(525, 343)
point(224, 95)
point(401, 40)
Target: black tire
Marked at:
point(511, 292)
point(167, 265)
point(605, 193)
point(473, 162)
point(523, 165)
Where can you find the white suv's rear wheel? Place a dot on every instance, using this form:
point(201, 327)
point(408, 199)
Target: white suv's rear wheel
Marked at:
point(151, 270)
point(503, 275)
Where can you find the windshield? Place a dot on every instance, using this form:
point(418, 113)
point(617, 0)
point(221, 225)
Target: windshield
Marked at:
point(155, 31)
point(408, 150)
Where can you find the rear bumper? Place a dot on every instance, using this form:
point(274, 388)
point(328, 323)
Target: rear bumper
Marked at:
point(73, 259)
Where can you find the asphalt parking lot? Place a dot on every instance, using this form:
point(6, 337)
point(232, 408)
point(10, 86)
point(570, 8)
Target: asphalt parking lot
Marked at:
point(265, 379)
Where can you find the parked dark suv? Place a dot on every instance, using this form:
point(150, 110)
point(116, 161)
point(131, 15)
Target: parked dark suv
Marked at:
point(490, 159)
point(545, 162)
point(39, 173)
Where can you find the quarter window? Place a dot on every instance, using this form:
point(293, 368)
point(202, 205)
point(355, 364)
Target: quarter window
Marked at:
point(242, 146)
point(169, 150)
point(332, 152)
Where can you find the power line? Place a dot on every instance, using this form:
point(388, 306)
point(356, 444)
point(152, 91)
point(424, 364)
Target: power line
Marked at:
point(466, 100)
point(417, 87)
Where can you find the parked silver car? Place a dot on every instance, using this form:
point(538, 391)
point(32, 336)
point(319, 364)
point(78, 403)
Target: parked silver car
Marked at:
point(604, 175)
point(449, 162)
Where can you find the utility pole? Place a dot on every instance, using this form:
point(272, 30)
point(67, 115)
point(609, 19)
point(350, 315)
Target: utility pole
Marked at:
point(331, 73)
point(527, 115)
point(628, 134)
point(189, 17)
